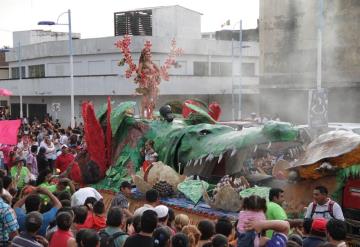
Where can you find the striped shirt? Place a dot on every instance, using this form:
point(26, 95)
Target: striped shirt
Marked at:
point(25, 240)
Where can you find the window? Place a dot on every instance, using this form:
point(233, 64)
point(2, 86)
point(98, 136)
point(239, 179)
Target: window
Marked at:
point(248, 69)
point(133, 23)
point(15, 72)
point(201, 68)
point(37, 71)
point(221, 69)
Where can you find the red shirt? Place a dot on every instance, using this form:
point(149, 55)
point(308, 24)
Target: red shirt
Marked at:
point(63, 161)
point(93, 221)
point(60, 238)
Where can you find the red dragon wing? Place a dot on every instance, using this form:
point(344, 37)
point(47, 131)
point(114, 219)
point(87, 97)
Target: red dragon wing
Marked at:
point(94, 137)
point(108, 133)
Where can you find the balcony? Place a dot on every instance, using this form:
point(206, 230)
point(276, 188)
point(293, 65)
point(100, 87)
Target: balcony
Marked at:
point(119, 85)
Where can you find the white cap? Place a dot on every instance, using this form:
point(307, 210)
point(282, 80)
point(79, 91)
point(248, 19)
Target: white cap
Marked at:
point(161, 211)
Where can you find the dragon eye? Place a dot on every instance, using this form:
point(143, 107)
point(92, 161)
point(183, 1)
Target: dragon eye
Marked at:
point(204, 132)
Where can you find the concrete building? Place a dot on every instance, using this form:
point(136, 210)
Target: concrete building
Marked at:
point(288, 57)
point(205, 70)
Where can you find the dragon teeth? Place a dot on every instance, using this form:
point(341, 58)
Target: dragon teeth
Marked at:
point(233, 152)
point(209, 157)
point(196, 162)
point(220, 157)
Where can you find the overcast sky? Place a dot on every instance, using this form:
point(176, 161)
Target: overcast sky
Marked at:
point(94, 18)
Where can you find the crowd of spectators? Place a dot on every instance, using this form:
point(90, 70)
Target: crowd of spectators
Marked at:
point(38, 208)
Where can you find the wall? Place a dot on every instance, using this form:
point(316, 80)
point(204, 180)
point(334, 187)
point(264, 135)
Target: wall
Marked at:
point(288, 58)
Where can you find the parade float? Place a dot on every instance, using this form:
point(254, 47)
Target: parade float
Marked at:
point(200, 158)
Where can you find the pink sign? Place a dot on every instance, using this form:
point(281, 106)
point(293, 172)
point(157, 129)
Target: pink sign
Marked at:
point(8, 131)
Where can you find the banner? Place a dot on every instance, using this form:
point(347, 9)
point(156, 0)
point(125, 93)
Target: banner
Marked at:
point(8, 131)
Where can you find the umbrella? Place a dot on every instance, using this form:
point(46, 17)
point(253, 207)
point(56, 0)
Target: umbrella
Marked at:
point(5, 92)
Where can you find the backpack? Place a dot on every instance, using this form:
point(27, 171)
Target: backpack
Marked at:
point(107, 240)
point(330, 209)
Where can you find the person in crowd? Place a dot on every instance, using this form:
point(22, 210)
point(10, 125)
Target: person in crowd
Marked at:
point(96, 218)
point(180, 240)
point(29, 237)
point(181, 220)
point(306, 228)
point(323, 206)
point(41, 159)
point(79, 197)
point(52, 228)
point(162, 212)
point(80, 215)
point(281, 229)
point(152, 200)
point(9, 225)
point(133, 225)
point(336, 232)
point(31, 162)
point(254, 207)
point(120, 199)
point(50, 152)
point(7, 187)
point(219, 240)
point(317, 233)
point(224, 227)
point(193, 234)
point(161, 237)
point(23, 147)
point(63, 137)
point(149, 221)
point(113, 228)
point(20, 173)
point(63, 236)
point(88, 238)
point(274, 209)
point(33, 203)
point(207, 230)
point(171, 220)
point(296, 239)
point(64, 159)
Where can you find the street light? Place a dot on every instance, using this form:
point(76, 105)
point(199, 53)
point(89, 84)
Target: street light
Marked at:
point(232, 69)
point(50, 23)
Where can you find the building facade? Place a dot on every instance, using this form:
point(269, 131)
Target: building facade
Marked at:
point(288, 57)
point(205, 70)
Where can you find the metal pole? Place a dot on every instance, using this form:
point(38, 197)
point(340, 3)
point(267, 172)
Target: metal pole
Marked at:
point(319, 45)
point(232, 76)
point(20, 80)
point(72, 121)
point(240, 69)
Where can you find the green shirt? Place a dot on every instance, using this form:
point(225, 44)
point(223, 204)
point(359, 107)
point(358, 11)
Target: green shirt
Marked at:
point(274, 212)
point(24, 175)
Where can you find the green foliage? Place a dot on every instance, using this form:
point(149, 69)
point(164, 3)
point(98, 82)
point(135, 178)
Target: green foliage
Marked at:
point(341, 178)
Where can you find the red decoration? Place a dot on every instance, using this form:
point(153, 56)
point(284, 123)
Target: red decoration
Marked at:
point(108, 133)
point(148, 74)
point(215, 111)
point(95, 142)
point(186, 110)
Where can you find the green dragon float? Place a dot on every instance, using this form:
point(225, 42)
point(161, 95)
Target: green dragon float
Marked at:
point(196, 145)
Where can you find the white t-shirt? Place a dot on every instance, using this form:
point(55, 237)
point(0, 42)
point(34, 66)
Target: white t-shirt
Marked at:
point(79, 197)
point(141, 210)
point(321, 211)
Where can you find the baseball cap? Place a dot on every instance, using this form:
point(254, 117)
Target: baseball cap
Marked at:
point(64, 146)
point(161, 211)
point(319, 225)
